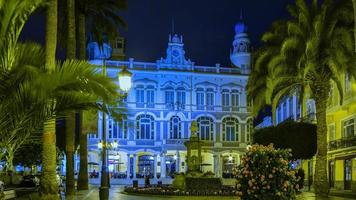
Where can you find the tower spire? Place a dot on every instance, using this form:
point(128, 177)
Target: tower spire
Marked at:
point(173, 25)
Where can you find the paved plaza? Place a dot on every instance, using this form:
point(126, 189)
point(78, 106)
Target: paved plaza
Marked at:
point(116, 193)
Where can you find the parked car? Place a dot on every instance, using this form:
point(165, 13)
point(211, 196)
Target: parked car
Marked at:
point(30, 181)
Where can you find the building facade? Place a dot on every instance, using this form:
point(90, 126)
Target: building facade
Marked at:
point(342, 136)
point(166, 96)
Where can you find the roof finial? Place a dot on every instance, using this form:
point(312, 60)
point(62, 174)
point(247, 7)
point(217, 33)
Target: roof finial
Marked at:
point(241, 14)
point(173, 25)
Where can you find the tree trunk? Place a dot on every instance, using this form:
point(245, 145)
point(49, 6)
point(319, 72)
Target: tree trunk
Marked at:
point(70, 138)
point(354, 4)
point(321, 185)
point(83, 170)
point(83, 140)
point(71, 44)
point(51, 34)
point(81, 37)
point(70, 120)
point(49, 184)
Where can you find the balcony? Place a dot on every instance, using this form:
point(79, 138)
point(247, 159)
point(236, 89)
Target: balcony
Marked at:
point(134, 65)
point(342, 143)
point(186, 107)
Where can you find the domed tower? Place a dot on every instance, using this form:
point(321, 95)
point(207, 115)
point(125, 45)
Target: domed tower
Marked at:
point(240, 56)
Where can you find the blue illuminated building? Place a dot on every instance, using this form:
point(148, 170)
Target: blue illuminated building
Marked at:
point(166, 96)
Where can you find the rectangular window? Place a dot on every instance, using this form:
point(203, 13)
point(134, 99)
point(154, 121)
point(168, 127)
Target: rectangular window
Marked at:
point(115, 129)
point(200, 101)
point(140, 99)
point(210, 101)
point(150, 99)
point(230, 133)
point(181, 100)
point(349, 128)
point(235, 100)
point(169, 99)
point(225, 101)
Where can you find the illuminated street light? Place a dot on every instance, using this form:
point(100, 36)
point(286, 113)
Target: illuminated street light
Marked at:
point(125, 79)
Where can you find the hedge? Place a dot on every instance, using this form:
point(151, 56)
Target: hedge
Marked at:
point(202, 184)
point(298, 136)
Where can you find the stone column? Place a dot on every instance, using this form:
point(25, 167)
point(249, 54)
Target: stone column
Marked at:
point(155, 166)
point(216, 165)
point(128, 166)
point(134, 165)
point(163, 165)
point(177, 162)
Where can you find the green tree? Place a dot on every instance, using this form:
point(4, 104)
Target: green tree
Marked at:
point(312, 56)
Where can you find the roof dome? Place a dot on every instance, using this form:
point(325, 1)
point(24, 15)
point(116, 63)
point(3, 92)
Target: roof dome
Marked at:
point(176, 39)
point(240, 27)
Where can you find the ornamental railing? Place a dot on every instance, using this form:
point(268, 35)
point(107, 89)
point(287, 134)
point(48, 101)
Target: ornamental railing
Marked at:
point(134, 65)
point(342, 143)
point(185, 107)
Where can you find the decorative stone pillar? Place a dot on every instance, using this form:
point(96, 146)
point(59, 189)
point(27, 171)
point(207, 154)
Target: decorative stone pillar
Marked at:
point(177, 162)
point(216, 165)
point(155, 166)
point(134, 166)
point(163, 165)
point(128, 166)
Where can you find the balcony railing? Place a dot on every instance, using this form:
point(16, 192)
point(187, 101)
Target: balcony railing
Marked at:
point(159, 66)
point(185, 107)
point(342, 143)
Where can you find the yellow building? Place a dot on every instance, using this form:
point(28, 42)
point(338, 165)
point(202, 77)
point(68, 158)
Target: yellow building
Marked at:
point(341, 121)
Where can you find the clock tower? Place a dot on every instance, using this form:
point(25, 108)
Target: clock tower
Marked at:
point(175, 54)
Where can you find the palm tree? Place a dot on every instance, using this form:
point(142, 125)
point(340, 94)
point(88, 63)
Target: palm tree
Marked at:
point(310, 58)
point(98, 17)
point(354, 5)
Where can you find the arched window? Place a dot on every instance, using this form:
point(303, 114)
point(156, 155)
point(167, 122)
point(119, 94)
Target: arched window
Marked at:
point(175, 128)
point(144, 127)
point(205, 128)
point(230, 128)
point(249, 128)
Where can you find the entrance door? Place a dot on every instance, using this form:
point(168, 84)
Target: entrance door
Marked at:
point(331, 173)
point(347, 174)
point(145, 166)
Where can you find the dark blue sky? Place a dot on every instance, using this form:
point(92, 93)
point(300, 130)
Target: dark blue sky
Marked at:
point(206, 25)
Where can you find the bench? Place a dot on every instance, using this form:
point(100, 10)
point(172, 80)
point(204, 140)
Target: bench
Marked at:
point(10, 194)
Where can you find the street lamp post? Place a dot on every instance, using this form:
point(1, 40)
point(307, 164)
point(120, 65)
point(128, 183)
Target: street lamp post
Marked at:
point(124, 77)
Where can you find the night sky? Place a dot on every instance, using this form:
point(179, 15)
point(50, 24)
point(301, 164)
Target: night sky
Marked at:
point(206, 25)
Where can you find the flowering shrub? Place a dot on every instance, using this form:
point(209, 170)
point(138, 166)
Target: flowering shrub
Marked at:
point(265, 174)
